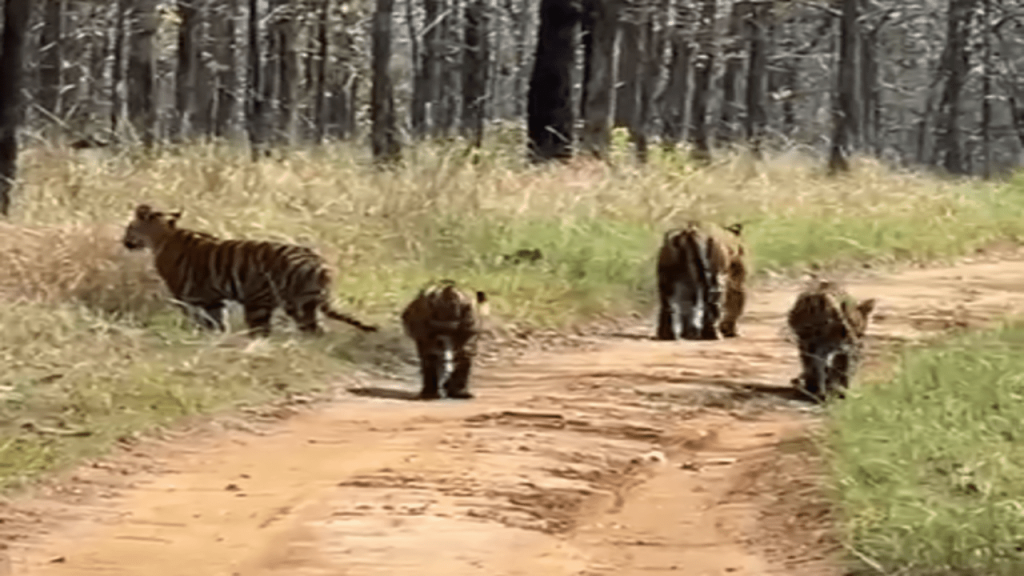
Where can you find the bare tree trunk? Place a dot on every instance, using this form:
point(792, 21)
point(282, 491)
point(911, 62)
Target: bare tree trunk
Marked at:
point(225, 53)
point(986, 90)
point(871, 109)
point(475, 62)
point(739, 16)
point(549, 102)
point(117, 67)
point(432, 66)
point(628, 89)
point(142, 110)
point(521, 17)
point(320, 88)
point(678, 89)
point(451, 62)
point(16, 16)
point(418, 102)
point(845, 108)
point(386, 148)
point(256, 117)
point(185, 76)
point(285, 29)
point(600, 21)
point(648, 76)
point(757, 72)
point(51, 62)
point(702, 68)
point(954, 69)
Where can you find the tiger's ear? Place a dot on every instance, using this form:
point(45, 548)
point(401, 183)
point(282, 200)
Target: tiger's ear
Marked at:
point(866, 307)
point(143, 211)
point(172, 218)
point(736, 228)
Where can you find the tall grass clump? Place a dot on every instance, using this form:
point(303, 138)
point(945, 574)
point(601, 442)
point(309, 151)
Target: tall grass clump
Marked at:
point(929, 467)
point(447, 212)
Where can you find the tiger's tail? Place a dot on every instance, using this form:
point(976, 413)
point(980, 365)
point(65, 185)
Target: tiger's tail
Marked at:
point(332, 312)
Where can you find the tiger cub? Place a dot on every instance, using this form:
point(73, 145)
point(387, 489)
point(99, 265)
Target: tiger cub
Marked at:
point(829, 325)
point(445, 323)
point(203, 271)
point(696, 264)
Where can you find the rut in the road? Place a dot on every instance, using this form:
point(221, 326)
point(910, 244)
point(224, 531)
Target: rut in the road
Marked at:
point(632, 456)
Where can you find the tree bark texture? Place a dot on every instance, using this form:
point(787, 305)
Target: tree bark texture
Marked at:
point(549, 101)
point(51, 60)
point(627, 77)
point(844, 116)
point(185, 85)
point(256, 112)
point(757, 73)
point(475, 65)
point(600, 21)
point(141, 71)
point(954, 71)
point(12, 48)
point(728, 126)
point(678, 89)
point(386, 147)
point(702, 68)
point(225, 54)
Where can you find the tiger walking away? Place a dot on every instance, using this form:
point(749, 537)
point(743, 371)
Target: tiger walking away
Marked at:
point(702, 275)
point(203, 271)
point(829, 325)
point(445, 323)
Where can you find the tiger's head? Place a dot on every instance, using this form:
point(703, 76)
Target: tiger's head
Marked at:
point(148, 226)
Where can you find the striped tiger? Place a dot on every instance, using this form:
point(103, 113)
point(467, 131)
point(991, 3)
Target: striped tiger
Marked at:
point(203, 271)
point(445, 324)
point(696, 264)
point(829, 325)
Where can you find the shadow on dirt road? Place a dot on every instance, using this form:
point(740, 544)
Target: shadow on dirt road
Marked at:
point(629, 457)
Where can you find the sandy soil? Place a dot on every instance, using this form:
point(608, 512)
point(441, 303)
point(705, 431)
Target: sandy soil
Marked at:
point(626, 456)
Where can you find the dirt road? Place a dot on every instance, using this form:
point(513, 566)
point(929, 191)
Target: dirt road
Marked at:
point(624, 457)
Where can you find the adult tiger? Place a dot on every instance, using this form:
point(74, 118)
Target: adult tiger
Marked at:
point(202, 270)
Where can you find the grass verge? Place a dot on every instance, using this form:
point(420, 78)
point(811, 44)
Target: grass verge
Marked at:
point(928, 467)
point(91, 342)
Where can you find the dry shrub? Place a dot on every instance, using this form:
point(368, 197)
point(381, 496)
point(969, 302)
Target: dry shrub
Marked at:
point(80, 263)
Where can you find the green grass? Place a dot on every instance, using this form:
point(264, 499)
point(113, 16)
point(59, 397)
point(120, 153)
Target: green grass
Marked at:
point(445, 213)
point(929, 467)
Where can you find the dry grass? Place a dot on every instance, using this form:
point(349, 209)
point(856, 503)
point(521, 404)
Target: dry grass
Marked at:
point(81, 304)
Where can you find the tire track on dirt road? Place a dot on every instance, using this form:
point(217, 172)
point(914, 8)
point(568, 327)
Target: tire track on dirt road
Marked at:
point(629, 457)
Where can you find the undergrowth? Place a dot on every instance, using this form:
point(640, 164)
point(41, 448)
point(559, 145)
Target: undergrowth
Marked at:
point(928, 466)
point(90, 342)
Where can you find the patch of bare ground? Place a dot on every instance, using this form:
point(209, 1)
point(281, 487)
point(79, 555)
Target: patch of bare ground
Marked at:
point(616, 454)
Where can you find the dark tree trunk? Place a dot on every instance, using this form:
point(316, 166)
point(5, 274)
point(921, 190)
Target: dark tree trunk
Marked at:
point(954, 70)
point(386, 147)
point(869, 93)
point(51, 60)
point(418, 102)
point(702, 68)
point(739, 16)
point(432, 67)
point(141, 74)
point(678, 89)
point(285, 29)
point(16, 16)
point(549, 102)
point(117, 67)
point(627, 89)
point(521, 18)
point(757, 72)
point(256, 117)
point(451, 68)
point(185, 76)
point(844, 112)
point(648, 77)
point(320, 115)
point(225, 50)
point(475, 62)
point(600, 19)
point(986, 90)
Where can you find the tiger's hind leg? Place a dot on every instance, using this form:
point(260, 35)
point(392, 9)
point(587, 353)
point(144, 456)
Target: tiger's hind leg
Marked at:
point(306, 318)
point(257, 318)
point(213, 317)
point(457, 385)
point(429, 368)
